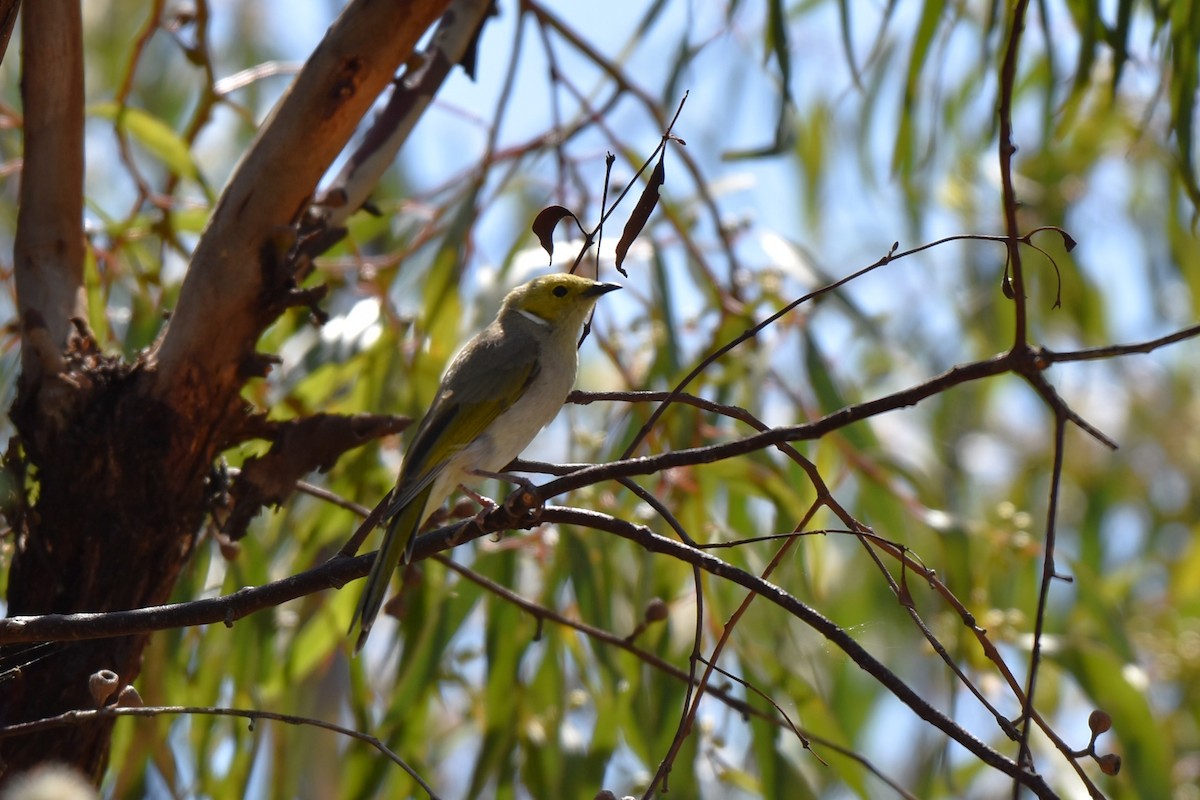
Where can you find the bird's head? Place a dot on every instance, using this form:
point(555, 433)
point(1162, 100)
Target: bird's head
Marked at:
point(559, 301)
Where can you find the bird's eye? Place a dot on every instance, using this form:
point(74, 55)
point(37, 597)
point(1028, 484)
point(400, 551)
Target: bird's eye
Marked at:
point(560, 291)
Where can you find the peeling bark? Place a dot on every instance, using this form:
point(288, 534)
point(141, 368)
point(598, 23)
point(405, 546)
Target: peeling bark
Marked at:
point(119, 454)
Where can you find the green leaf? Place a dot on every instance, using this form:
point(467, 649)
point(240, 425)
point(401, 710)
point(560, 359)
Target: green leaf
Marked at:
point(154, 135)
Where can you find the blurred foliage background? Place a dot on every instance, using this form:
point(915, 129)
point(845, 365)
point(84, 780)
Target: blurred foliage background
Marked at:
point(817, 134)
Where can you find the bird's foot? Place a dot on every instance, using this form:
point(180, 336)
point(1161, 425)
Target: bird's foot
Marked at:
point(507, 477)
point(487, 506)
point(521, 507)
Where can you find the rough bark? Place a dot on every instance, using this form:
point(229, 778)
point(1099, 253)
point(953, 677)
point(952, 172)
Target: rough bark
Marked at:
point(119, 453)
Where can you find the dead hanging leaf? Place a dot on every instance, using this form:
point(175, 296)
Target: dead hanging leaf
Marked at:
point(905, 596)
point(298, 447)
point(545, 223)
point(641, 212)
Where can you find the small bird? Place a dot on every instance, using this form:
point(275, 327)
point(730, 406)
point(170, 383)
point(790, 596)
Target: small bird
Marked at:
point(506, 384)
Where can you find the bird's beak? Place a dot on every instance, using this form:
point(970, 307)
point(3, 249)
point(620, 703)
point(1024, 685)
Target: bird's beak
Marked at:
point(597, 289)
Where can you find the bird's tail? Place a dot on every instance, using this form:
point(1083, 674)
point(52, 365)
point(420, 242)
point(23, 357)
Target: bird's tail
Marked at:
point(397, 541)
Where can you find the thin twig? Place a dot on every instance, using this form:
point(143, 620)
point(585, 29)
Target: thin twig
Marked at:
point(82, 716)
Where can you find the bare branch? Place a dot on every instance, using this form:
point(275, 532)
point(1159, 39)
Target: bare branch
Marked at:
point(412, 94)
point(220, 311)
point(599, 634)
point(1014, 275)
point(48, 251)
point(821, 624)
point(1114, 350)
point(111, 712)
point(224, 610)
point(337, 571)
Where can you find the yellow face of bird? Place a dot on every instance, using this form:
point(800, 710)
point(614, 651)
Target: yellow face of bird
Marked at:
point(559, 299)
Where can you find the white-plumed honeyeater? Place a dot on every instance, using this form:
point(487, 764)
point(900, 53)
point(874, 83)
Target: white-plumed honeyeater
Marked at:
point(506, 384)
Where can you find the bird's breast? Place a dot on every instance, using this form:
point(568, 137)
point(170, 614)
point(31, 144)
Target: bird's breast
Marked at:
point(515, 428)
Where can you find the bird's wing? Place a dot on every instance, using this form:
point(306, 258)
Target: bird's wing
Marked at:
point(473, 394)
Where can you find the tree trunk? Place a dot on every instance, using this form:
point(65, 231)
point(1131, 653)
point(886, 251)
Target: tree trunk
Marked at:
point(113, 458)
